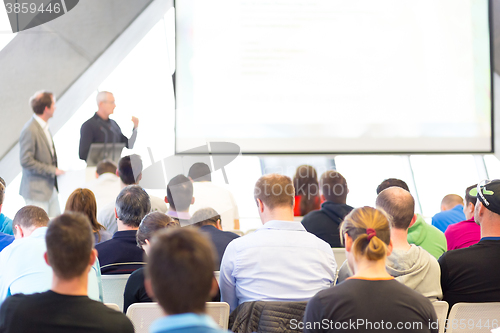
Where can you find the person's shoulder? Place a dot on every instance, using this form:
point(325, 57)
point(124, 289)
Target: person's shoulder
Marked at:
point(111, 320)
point(105, 245)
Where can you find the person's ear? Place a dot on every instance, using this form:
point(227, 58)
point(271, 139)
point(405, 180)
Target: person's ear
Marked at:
point(1, 208)
point(166, 199)
point(46, 257)
point(389, 248)
point(215, 287)
point(96, 175)
point(117, 173)
point(18, 231)
point(413, 220)
point(149, 288)
point(192, 201)
point(322, 197)
point(93, 257)
point(260, 204)
point(116, 214)
point(139, 178)
point(348, 242)
point(217, 224)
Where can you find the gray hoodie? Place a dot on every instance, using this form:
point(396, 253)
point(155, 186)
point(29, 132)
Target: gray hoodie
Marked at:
point(415, 268)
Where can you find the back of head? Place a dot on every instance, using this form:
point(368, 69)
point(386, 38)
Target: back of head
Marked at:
point(451, 200)
point(471, 198)
point(200, 172)
point(275, 190)
point(370, 231)
point(132, 204)
point(30, 217)
point(130, 169)
point(392, 182)
point(106, 166)
point(41, 100)
point(190, 255)
point(306, 186)
point(398, 204)
point(150, 224)
point(205, 216)
point(180, 193)
point(82, 200)
point(69, 244)
point(334, 187)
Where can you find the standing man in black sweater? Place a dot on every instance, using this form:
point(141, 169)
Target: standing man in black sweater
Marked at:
point(100, 127)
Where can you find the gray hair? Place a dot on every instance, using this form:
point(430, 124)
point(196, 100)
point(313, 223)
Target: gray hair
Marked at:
point(102, 96)
point(132, 204)
point(205, 216)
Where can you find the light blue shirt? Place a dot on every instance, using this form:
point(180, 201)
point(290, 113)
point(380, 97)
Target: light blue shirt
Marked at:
point(23, 268)
point(280, 261)
point(186, 322)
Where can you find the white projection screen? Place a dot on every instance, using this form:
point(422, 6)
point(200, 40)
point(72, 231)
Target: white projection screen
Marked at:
point(331, 76)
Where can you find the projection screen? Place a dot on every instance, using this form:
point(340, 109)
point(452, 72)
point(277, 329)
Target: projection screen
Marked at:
point(330, 76)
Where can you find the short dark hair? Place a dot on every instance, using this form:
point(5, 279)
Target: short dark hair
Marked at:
point(390, 182)
point(132, 204)
point(130, 169)
point(205, 216)
point(399, 204)
point(200, 172)
point(306, 187)
point(275, 190)
point(150, 224)
point(180, 192)
point(30, 216)
point(69, 244)
point(190, 255)
point(2, 192)
point(469, 198)
point(334, 187)
point(106, 166)
point(40, 101)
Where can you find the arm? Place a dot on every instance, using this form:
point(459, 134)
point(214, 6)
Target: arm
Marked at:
point(85, 140)
point(27, 155)
point(129, 143)
point(227, 282)
point(444, 275)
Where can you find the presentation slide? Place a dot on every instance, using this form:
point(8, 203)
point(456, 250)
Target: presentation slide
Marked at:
point(331, 76)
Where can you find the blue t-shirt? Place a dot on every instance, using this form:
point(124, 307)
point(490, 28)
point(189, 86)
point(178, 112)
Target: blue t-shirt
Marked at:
point(6, 225)
point(186, 323)
point(443, 219)
point(5, 240)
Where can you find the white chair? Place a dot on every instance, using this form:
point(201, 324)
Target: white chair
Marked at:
point(340, 256)
point(113, 306)
point(113, 287)
point(473, 317)
point(441, 308)
point(143, 314)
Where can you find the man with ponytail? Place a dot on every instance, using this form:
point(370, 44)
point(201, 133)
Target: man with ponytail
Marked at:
point(371, 299)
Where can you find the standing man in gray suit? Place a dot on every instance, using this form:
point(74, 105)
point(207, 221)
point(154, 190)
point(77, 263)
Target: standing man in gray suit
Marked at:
point(39, 158)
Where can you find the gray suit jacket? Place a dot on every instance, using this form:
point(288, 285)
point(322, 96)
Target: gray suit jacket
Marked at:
point(39, 166)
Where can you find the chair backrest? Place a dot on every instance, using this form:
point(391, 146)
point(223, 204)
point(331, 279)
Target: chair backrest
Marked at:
point(113, 287)
point(441, 308)
point(143, 314)
point(113, 306)
point(473, 317)
point(340, 256)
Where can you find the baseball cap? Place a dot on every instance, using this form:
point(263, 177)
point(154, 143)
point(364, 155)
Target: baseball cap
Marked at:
point(488, 192)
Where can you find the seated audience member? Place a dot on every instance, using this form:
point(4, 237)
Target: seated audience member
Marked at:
point(472, 274)
point(325, 223)
point(452, 211)
point(280, 261)
point(107, 184)
point(5, 222)
point(209, 222)
point(82, 200)
point(306, 186)
point(465, 233)
point(130, 173)
point(28, 273)
point(182, 295)
point(420, 232)
point(409, 264)
point(5, 240)
point(135, 292)
point(208, 194)
point(65, 307)
point(120, 254)
point(179, 198)
point(371, 296)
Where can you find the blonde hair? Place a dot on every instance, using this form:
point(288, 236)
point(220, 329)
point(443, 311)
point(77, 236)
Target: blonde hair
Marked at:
point(356, 224)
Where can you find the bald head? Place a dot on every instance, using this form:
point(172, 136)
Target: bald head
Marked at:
point(450, 201)
point(399, 204)
point(103, 96)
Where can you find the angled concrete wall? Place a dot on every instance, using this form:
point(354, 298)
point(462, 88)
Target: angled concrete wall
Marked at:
point(69, 56)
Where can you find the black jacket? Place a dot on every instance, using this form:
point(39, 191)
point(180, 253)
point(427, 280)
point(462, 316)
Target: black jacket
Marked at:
point(324, 223)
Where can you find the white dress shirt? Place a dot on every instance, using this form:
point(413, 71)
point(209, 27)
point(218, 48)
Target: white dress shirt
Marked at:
point(45, 127)
point(280, 261)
